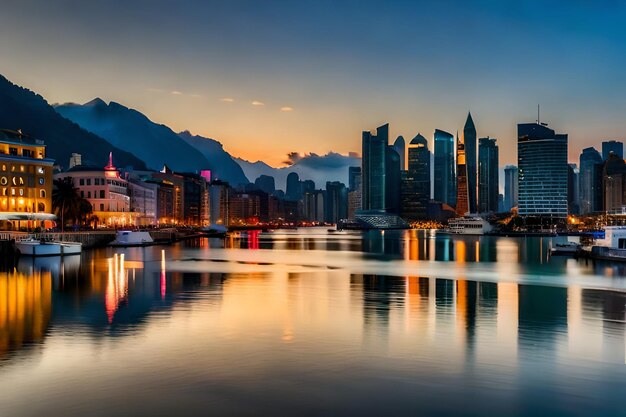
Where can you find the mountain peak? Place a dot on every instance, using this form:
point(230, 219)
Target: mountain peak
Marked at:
point(96, 102)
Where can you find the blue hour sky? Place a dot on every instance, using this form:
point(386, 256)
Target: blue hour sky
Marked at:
point(271, 77)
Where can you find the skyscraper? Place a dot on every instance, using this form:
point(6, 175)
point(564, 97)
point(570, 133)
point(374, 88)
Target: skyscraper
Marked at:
point(373, 164)
point(265, 183)
point(392, 181)
point(573, 186)
point(354, 178)
point(336, 202)
point(510, 187)
point(469, 141)
point(590, 180)
point(542, 162)
point(462, 194)
point(400, 146)
point(612, 146)
point(294, 187)
point(445, 178)
point(416, 180)
point(488, 175)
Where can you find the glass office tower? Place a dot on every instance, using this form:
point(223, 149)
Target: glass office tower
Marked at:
point(444, 175)
point(542, 164)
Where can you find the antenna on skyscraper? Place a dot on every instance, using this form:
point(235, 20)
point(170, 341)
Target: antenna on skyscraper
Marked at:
point(538, 118)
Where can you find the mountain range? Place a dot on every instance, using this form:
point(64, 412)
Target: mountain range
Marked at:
point(96, 128)
point(22, 109)
point(319, 168)
point(155, 143)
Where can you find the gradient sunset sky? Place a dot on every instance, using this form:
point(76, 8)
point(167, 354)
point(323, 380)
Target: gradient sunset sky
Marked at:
point(271, 77)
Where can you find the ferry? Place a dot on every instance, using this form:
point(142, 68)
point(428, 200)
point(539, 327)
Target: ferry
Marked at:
point(34, 247)
point(126, 238)
point(468, 225)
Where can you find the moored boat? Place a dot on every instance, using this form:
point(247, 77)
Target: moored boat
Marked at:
point(468, 225)
point(568, 248)
point(34, 247)
point(613, 246)
point(126, 238)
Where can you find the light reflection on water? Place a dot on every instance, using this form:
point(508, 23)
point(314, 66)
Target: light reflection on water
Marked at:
point(311, 322)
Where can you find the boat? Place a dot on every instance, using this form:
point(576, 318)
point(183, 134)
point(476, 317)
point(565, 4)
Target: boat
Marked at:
point(34, 247)
point(126, 238)
point(568, 248)
point(214, 230)
point(468, 225)
point(612, 247)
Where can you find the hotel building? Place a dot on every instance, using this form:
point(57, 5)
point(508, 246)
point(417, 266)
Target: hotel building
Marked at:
point(25, 181)
point(107, 192)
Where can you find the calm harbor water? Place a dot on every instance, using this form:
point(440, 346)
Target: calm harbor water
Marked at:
point(310, 322)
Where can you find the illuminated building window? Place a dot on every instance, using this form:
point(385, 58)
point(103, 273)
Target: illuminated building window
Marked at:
point(41, 207)
point(40, 170)
point(22, 168)
point(21, 192)
point(12, 191)
point(4, 167)
point(42, 193)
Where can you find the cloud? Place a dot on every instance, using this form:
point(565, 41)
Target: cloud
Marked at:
point(227, 100)
point(292, 158)
point(286, 108)
point(257, 103)
point(176, 93)
point(195, 95)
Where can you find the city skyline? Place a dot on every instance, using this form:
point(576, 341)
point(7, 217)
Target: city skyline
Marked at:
point(265, 82)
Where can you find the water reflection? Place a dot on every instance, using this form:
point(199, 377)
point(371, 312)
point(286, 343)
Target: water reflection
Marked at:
point(209, 338)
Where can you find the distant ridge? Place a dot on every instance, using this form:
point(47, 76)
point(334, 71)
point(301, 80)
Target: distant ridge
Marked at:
point(155, 143)
point(23, 109)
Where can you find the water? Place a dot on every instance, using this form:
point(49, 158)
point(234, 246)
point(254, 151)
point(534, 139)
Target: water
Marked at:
point(315, 323)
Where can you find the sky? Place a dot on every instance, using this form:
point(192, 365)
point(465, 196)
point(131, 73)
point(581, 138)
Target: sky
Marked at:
point(267, 78)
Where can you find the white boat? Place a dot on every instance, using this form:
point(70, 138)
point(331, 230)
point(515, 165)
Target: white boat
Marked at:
point(34, 247)
point(612, 246)
point(132, 238)
point(468, 225)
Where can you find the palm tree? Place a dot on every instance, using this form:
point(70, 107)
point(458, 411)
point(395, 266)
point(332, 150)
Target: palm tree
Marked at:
point(66, 200)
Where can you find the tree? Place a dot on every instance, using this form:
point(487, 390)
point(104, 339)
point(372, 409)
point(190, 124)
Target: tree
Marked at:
point(67, 202)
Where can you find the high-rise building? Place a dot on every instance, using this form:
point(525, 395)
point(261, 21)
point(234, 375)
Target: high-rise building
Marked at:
point(415, 190)
point(444, 175)
point(612, 146)
point(266, 184)
point(373, 168)
point(542, 163)
point(590, 179)
point(573, 187)
point(314, 206)
point(354, 178)
point(488, 175)
point(510, 187)
point(336, 202)
point(400, 146)
point(614, 184)
point(294, 187)
point(307, 186)
point(469, 141)
point(393, 180)
point(462, 191)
